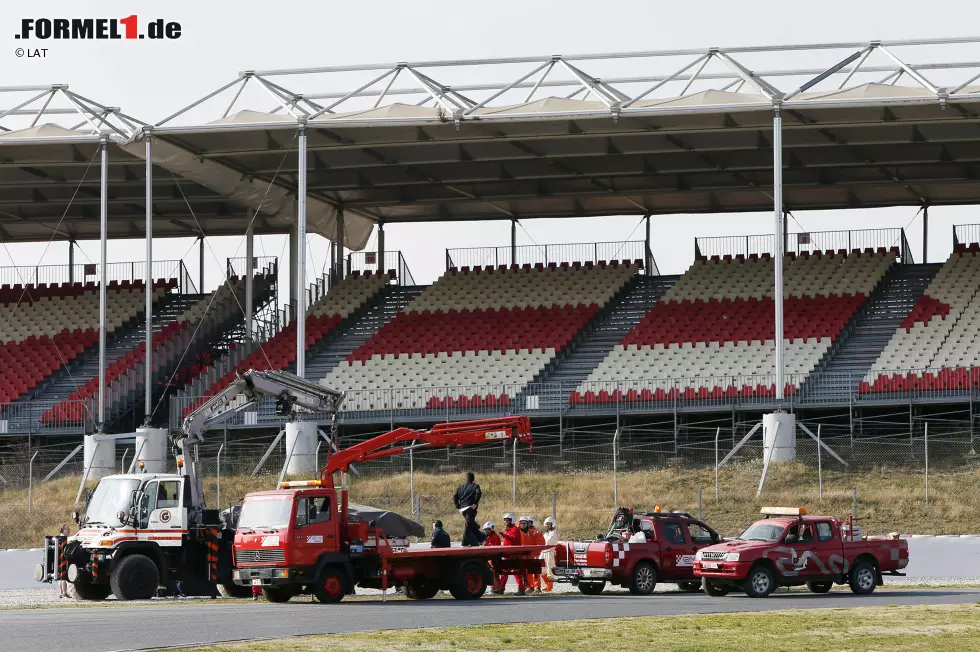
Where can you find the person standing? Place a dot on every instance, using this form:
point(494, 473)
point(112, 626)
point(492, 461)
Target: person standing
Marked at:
point(550, 536)
point(512, 537)
point(491, 538)
point(467, 500)
point(63, 584)
point(531, 537)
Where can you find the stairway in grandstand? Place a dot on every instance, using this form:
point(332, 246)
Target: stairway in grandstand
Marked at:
point(358, 329)
point(66, 381)
point(573, 366)
point(864, 339)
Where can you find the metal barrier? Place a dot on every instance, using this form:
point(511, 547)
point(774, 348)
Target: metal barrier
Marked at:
point(260, 265)
point(584, 252)
point(966, 234)
point(89, 273)
point(805, 241)
point(31, 418)
point(367, 261)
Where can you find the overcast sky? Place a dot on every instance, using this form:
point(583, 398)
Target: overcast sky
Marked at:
point(151, 80)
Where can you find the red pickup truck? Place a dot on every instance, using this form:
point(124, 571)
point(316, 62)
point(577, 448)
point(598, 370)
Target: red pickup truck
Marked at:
point(789, 548)
point(639, 550)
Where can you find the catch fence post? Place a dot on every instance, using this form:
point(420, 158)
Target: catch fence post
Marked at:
point(819, 462)
point(700, 511)
point(513, 487)
point(927, 460)
point(615, 468)
point(30, 483)
point(717, 435)
point(554, 506)
point(411, 476)
point(217, 476)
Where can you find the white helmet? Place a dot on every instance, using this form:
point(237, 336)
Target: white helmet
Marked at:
point(524, 519)
point(489, 525)
point(509, 515)
point(551, 519)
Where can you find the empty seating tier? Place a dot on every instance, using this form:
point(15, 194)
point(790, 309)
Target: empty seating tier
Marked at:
point(711, 337)
point(473, 332)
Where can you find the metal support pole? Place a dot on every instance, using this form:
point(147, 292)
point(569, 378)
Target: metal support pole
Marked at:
point(122, 463)
point(854, 506)
point(926, 428)
point(411, 477)
point(217, 478)
point(71, 261)
point(513, 242)
point(615, 468)
point(554, 506)
point(339, 245)
point(103, 237)
point(381, 250)
point(249, 281)
point(200, 273)
point(925, 233)
point(777, 173)
point(148, 363)
point(700, 510)
point(717, 491)
point(513, 488)
point(648, 253)
point(301, 257)
point(30, 483)
point(819, 462)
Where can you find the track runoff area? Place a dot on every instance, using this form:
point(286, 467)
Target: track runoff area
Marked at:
point(751, 111)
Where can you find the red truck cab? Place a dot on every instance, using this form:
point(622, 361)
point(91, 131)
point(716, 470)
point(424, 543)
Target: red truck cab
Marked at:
point(789, 548)
point(639, 550)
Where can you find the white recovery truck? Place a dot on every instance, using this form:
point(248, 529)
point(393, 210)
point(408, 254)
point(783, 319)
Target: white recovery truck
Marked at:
point(144, 531)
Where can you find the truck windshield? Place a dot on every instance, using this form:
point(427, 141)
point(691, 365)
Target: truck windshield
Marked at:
point(762, 532)
point(111, 496)
point(265, 513)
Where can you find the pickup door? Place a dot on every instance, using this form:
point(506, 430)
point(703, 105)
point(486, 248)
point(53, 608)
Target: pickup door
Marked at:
point(816, 551)
point(679, 542)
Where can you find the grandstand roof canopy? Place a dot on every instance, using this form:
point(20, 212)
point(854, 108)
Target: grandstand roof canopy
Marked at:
point(683, 131)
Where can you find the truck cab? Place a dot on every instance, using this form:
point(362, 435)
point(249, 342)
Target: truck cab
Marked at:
point(639, 550)
point(134, 537)
point(790, 548)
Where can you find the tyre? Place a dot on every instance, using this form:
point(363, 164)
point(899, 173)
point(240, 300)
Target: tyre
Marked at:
point(420, 591)
point(330, 585)
point(471, 580)
point(689, 587)
point(232, 590)
point(760, 582)
point(135, 578)
point(819, 587)
point(277, 593)
point(715, 589)
point(644, 579)
point(864, 578)
point(85, 591)
point(591, 588)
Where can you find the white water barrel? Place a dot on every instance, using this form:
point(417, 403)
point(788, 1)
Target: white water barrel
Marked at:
point(152, 446)
point(301, 439)
point(779, 443)
point(101, 456)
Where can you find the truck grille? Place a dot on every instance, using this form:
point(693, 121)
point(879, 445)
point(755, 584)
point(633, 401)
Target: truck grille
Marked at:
point(713, 556)
point(265, 555)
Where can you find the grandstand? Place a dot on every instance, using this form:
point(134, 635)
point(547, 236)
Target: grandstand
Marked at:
point(586, 331)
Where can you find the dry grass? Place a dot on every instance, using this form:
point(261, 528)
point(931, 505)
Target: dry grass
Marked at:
point(889, 500)
point(932, 628)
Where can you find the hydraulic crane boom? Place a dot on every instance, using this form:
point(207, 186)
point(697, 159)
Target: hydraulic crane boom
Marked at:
point(291, 392)
point(456, 434)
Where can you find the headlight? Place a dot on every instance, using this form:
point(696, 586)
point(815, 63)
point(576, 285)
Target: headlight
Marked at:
point(697, 557)
point(731, 556)
point(108, 543)
point(234, 575)
point(281, 573)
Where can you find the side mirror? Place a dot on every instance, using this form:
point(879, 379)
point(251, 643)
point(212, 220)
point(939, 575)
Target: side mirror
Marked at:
point(75, 517)
point(715, 537)
point(791, 539)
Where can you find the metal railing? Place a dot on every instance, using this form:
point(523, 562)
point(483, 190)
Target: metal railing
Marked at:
point(89, 273)
point(28, 418)
point(582, 252)
point(635, 396)
point(260, 265)
point(966, 234)
point(805, 241)
point(367, 261)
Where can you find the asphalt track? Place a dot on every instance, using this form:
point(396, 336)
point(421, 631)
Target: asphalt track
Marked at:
point(109, 628)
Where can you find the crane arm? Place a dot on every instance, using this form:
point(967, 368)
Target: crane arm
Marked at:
point(292, 394)
point(456, 434)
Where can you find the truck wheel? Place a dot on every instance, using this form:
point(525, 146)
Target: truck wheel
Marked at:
point(819, 587)
point(330, 585)
point(232, 590)
point(689, 587)
point(136, 578)
point(85, 591)
point(591, 588)
point(420, 591)
point(471, 580)
point(644, 579)
point(863, 578)
point(760, 582)
point(277, 594)
point(714, 589)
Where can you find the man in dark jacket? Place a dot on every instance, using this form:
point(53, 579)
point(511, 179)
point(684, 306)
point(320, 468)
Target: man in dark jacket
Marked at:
point(467, 501)
point(440, 538)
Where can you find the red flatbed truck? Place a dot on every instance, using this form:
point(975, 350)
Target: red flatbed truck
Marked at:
point(305, 538)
